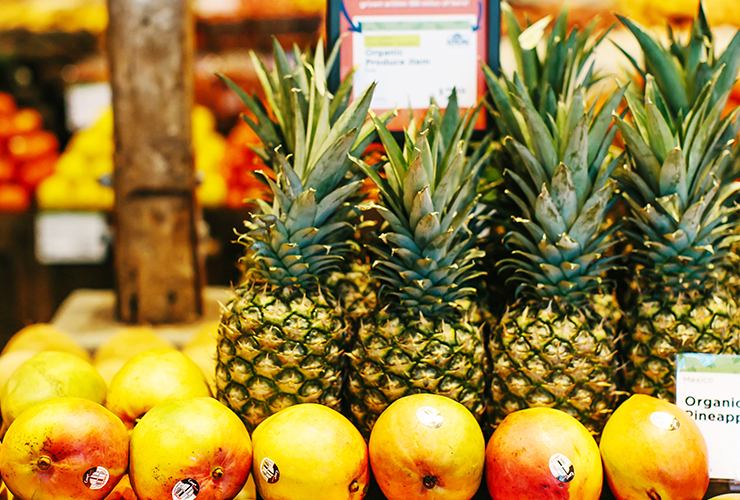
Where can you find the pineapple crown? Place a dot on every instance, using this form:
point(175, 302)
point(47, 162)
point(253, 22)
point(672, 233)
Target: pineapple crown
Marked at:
point(682, 70)
point(298, 98)
point(564, 64)
point(563, 195)
point(427, 196)
point(302, 236)
point(677, 185)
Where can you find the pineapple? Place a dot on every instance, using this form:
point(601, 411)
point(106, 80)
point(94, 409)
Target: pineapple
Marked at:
point(555, 344)
point(680, 192)
point(283, 332)
point(426, 333)
point(565, 61)
point(681, 70)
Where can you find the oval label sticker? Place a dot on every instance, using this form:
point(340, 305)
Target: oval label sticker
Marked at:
point(269, 471)
point(664, 421)
point(96, 478)
point(429, 417)
point(185, 489)
point(562, 468)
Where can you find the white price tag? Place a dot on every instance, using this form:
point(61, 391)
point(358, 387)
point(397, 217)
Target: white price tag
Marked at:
point(71, 237)
point(85, 103)
point(708, 389)
point(207, 8)
point(415, 58)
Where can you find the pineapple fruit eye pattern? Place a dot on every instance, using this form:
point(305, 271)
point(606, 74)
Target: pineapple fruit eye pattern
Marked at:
point(283, 333)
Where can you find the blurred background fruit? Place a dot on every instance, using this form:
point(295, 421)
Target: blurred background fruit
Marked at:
point(48, 375)
point(151, 377)
point(129, 341)
point(239, 167)
point(45, 337)
point(82, 177)
point(27, 154)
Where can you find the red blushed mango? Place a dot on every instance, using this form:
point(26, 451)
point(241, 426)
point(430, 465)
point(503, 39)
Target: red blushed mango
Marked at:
point(653, 449)
point(64, 449)
point(543, 454)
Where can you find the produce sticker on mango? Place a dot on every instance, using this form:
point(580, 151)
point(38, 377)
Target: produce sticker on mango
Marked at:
point(708, 389)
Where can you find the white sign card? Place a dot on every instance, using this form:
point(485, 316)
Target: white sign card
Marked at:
point(415, 58)
point(85, 103)
point(71, 237)
point(708, 389)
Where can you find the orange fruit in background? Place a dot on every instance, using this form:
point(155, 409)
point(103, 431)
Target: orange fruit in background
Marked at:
point(7, 169)
point(27, 120)
point(33, 145)
point(7, 104)
point(14, 197)
point(307, 452)
point(190, 447)
point(33, 172)
point(426, 446)
point(64, 449)
point(543, 453)
point(654, 449)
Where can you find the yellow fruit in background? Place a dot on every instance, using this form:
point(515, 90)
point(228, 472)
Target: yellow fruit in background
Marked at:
point(426, 446)
point(203, 121)
point(654, 449)
point(727, 496)
point(130, 341)
point(101, 165)
point(10, 361)
point(72, 165)
point(150, 378)
point(205, 336)
point(64, 449)
point(201, 348)
point(109, 367)
point(45, 337)
point(47, 375)
point(193, 445)
point(54, 192)
point(249, 492)
point(309, 451)
point(212, 191)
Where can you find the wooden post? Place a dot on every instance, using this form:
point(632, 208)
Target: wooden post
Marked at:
point(159, 273)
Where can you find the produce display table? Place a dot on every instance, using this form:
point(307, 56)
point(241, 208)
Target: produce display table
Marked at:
point(89, 316)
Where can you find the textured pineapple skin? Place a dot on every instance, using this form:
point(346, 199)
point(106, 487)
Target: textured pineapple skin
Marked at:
point(547, 355)
point(665, 324)
point(397, 355)
point(276, 350)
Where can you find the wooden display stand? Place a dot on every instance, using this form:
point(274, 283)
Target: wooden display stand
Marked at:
point(158, 267)
point(89, 315)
